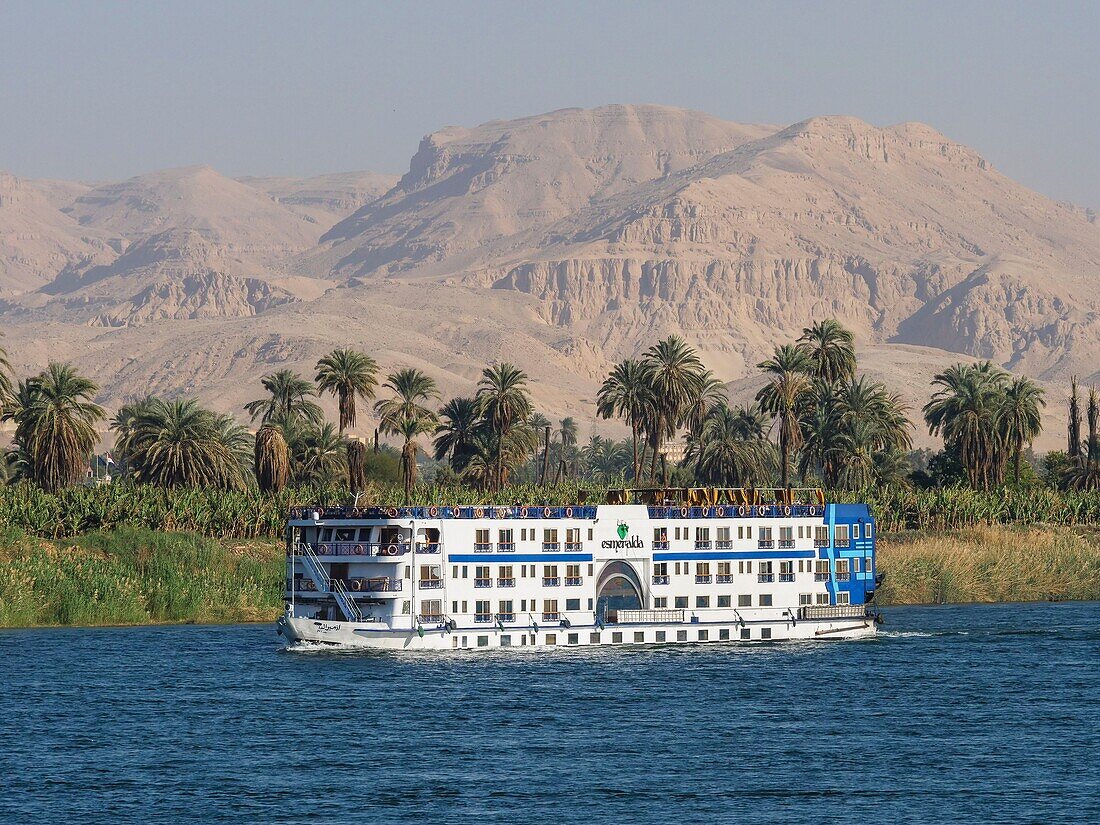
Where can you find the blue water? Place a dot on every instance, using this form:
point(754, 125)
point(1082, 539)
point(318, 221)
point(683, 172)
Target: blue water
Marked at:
point(981, 713)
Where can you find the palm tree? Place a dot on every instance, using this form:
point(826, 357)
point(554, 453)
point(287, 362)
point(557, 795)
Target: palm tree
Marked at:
point(319, 456)
point(457, 431)
point(1092, 449)
point(406, 414)
point(1018, 419)
point(568, 433)
point(542, 428)
point(272, 459)
point(288, 401)
point(5, 379)
point(964, 411)
point(1074, 442)
point(178, 443)
point(504, 403)
point(123, 424)
point(674, 373)
point(626, 393)
point(787, 388)
point(55, 421)
point(723, 455)
point(347, 374)
point(830, 347)
point(604, 459)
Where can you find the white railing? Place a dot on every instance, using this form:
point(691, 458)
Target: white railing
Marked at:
point(327, 584)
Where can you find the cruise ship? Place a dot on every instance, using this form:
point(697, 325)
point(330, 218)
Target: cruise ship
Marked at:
point(681, 566)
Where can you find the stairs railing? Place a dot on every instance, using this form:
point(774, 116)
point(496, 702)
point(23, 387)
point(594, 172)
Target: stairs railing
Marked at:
point(327, 584)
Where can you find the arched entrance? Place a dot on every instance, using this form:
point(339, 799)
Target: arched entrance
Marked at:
point(618, 588)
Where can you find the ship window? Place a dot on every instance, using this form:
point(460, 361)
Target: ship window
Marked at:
point(616, 638)
point(748, 567)
point(841, 567)
point(855, 531)
point(326, 534)
point(505, 641)
point(590, 570)
point(590, 534)
point(765, 568)
point(454, 607)
point(594, 638)
point(550, 536)
point(805, 598)
point(463, 571)
point(345, 534)
point(748, 532)
point(660, 636)
point(704, 635)
point(740, 567)
point(505, 536)
point(549, 571)
point(786, 568)
point(765, 633)
point(702, 601)
point(724, 601)
point(660, 602)
point(740, 531)
point(505, 571)
point(677, 568)
point(702, 568)
point(765, 599)
point(842, 533)
point(551, 638)
point(856, 563)
point(765, 534)
point(589, 604)
point(702, 534)
point(822, 598)
point(574, 638)
point(660, 534)
point(681, 602)
point(681, 635)
point(482, 611)
point(746, 633)
point(464, 610)
point(431, 610)
point(454, 641)
point(506, 611)
point(722, 534)
point(821, 567)
point(660, 568)
point(724, 634)
point(573, 535)
point(482, 572)
point(464, 641)
point(364, 534)
point(843, 597)
point(867, 564)
point(408, 571)
point(867, 531)
point(572, 604)
point(724, 568)
point(572, 571)
point(454, 572)
point(639, 636)
point(744, 600)
point(786, 533)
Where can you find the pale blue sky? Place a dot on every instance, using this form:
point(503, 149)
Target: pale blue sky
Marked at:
point(107, 90)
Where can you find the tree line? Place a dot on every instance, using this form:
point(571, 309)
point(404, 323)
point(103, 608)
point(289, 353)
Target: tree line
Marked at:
point(815, 420)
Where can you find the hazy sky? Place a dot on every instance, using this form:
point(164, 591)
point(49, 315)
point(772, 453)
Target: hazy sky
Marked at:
point(102, 90)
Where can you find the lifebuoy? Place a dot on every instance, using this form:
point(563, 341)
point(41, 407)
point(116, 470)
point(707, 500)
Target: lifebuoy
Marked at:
point(684, 511)
point(391, 512)
point(391, 550)
point(787, 510)
point(501, 513)
point(569, 512)
point(721, 511)
point(741, 510)
point(356, 585)
point(433, 512)
point(358, 549)
point(547, 512)
point(813, 510)
point(523, 512)
point(479, 513)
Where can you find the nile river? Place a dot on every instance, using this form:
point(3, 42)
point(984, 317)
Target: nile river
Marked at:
point(980, 713)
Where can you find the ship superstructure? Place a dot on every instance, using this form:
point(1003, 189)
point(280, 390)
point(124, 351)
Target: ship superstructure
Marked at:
point(680, 566)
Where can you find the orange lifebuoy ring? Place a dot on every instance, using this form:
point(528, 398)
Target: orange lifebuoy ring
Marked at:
point(356, 585)
point(433, 512)
point(391, 512)
point(479, 513)
point(391, 550)
point(569, 512)
point(358, 549)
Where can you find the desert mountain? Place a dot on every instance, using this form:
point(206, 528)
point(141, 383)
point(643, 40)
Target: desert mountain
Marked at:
point(566, 241)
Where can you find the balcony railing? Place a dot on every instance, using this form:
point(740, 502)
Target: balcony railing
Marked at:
point(550, 545)
point(506, 582)
point(843, 543)
point(843, 577)
point(506, 547)
point(551, 616)
point(431, 584)
point(506, 617)
point(360, 548)
point(429, 547)
point(483, 618)
point(551, 581)
point(430, 618)
point(483, 547)
point(821, 577)
point(660, 544)
point(765, 577)
point(786, 577)
point(723, 544)
point(764, 544)
point(821, 542)
point(660, 579)
point(483, 582)
point(573, 581)
point(702, 545)
point(703, 579)
point(786, 544)
point(573, 546)
point(378, 584)
point(725, 578)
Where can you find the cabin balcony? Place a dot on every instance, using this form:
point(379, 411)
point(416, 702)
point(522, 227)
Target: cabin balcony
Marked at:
point(483, 618)
point(551, 545)
point(821, 577)
point(765, 577)
point(843, 577)
point(765, 544)
point(506, 547)
point(483, 547)
point(551, 581)
point(702, 545)
point(551, 616)
point(360, 548)
point(702, 579)
point(573, 581)
point(430, 584)
point(430, 618)
point(660, 544)
point(429, 547)
point(786, 544)
point(723, 545)
point(506, 582)
point(660, 579)
point(724, 578)
point(573, 546)
point(786, 577)
point(506, 617)
point(483, 582)
point(819, 543)
point(843, 543)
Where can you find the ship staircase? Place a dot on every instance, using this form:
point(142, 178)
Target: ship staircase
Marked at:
point(327, 584)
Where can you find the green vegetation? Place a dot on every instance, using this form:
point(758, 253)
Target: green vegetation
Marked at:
point(136, 576)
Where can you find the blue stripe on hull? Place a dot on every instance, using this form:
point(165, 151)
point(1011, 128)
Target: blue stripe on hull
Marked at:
point(504, 558)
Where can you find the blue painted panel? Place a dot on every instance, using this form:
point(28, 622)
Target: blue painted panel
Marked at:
point(504, 558)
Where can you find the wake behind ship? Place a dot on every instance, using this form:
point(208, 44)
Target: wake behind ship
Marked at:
point(645, 567)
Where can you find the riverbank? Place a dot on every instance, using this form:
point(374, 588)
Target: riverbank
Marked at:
point(140, 576)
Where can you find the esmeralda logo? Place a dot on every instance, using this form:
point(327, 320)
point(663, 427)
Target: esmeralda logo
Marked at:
point(623, 543)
